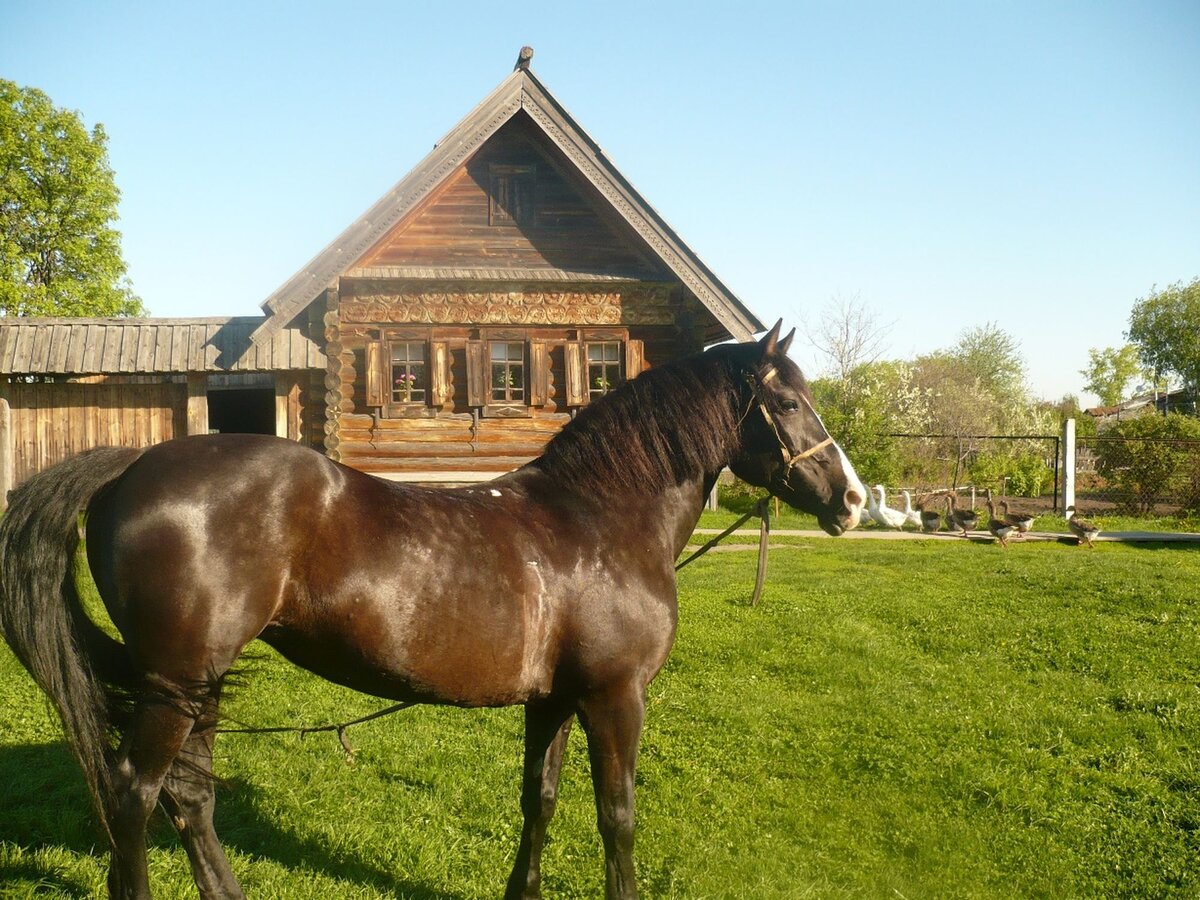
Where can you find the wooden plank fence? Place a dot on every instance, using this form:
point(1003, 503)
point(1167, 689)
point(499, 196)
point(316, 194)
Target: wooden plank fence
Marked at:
point(49, 422)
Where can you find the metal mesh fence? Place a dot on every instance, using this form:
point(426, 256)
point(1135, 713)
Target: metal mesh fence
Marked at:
point(1025, 466)
point(1137, 476)
point(1146, 477)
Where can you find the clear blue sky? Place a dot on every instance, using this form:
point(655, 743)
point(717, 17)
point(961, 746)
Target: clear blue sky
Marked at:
point(1036, 165)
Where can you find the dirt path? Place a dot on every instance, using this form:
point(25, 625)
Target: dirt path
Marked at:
point(1168, 537)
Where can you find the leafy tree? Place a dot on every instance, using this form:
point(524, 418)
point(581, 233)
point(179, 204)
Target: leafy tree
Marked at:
point(961, 403)
point(1165, 326)
point(993, 357)
point(874, 401)
point(59, 252)
point(977, 387)
point(1110, 372)
point(855, 411)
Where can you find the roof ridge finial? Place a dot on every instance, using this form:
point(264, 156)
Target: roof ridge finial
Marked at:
point(523, 59)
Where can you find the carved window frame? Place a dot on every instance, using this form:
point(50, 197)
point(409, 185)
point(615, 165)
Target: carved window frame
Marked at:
point(408, 374)
point(508, 408)
point(427, 405)
point(508, 370)
point(630, 360)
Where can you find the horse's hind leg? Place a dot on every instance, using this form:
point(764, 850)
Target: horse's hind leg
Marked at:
point(188, 796)
point(613, 723)
point(547, 728)
point(158, 729)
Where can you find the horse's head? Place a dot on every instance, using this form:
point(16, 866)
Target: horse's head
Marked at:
point(784, 445)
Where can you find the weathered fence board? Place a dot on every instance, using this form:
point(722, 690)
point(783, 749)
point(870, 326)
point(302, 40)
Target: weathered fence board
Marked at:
point(49, 422)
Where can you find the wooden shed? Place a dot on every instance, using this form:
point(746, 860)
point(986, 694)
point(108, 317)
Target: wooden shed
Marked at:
point(72, 384)
point(507, 281)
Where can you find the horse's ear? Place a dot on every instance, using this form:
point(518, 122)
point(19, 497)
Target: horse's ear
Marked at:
point(786, 342)
point(768, 343)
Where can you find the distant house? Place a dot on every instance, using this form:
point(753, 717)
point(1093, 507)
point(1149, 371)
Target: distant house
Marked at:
point(1182, 400)
point(507, 281)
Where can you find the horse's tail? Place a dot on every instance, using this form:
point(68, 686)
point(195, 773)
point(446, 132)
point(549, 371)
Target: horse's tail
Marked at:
point(42, 618)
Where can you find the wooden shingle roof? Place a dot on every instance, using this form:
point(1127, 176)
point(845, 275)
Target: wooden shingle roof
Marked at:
point(62, 346)
point(519, 92)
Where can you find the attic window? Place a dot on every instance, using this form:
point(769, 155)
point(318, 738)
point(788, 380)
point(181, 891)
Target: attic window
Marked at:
point(510, 194)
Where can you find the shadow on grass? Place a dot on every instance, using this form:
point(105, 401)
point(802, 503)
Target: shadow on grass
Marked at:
point(46, 806)
point(42, 879)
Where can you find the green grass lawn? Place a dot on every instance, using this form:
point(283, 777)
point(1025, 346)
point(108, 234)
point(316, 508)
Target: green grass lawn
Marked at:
point(915, 719)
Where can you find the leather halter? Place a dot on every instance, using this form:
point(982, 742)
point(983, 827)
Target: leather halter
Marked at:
point(790, 457)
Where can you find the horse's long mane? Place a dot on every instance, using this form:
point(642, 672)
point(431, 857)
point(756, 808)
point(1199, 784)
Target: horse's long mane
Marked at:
point(663, 427)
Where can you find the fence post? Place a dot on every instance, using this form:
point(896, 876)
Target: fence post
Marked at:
point(6, 453)
point(1068, 464)
point(1057, 460)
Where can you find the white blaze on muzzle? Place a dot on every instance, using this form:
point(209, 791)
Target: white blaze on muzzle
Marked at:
point(855, 485)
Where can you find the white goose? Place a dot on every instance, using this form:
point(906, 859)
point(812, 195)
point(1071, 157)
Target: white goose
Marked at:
point(871, 513)
point(892, 518)
point(912, 515)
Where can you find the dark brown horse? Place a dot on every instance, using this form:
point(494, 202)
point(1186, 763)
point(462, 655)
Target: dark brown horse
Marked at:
point(551, 587)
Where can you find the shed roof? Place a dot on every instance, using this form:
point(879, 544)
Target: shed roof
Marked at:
point(62, 346)
point(520, 91)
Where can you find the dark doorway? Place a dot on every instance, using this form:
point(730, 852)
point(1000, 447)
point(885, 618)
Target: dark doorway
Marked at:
point(242, 410)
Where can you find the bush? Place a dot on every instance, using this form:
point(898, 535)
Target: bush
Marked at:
point(1024, 475)
point(1029, 476)
point(738, 496)
point(1144, 457)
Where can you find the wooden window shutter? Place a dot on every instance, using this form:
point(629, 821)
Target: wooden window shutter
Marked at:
point(539, 374)
point(477, 370)
point(575, 357)
point(374, 374)
point(439, 373)
point(635, 359)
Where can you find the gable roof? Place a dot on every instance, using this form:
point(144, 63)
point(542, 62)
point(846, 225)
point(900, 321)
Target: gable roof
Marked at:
point(520, 91)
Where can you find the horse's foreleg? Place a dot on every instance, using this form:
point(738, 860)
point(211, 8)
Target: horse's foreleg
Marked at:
point(546, 731)
point(158, 729)
point(613, 722)
point(188, 796)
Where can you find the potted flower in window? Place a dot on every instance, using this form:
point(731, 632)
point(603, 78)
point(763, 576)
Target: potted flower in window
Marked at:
point(405, 383)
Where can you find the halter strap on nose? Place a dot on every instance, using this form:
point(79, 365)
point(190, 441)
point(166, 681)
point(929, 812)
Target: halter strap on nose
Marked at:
point(810, 451)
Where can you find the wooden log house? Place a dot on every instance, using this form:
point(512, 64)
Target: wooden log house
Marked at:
point(507, 281)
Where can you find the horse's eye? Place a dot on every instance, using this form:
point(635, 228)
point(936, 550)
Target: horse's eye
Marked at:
point(790, 405)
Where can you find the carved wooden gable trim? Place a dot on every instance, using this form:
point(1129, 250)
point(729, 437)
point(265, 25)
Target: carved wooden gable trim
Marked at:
point(510, 305)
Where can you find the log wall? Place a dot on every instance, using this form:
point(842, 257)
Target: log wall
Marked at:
point(450, 434)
